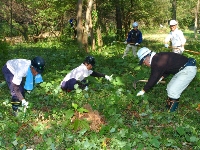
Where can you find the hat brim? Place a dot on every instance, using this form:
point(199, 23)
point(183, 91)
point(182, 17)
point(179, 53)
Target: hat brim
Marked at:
point(39, 71)
point(142, 60)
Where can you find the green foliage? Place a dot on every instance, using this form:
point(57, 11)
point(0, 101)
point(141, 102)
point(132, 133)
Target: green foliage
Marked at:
point(131, 122)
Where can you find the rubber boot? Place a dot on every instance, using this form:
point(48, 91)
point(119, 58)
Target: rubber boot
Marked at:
point(15, 104)
point(172, 104)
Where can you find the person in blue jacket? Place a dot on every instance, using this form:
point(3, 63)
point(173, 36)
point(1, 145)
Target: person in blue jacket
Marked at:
point(133, 40)
point(73, 24)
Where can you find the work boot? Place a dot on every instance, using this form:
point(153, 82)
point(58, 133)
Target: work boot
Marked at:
point(172, 104)
point(15, 104)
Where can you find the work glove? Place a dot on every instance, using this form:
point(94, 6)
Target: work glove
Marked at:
point(166, 45)
point(24, 103)
point(125, 42)
point(28, 92)
point(140, 93)
point(109, 78)
point(136, 44)
point(181, 49)
point(86, 88)
point(160, 79)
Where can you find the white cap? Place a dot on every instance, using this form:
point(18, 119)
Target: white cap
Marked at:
point(172, 22)
point(142, 53)
point(135, 24)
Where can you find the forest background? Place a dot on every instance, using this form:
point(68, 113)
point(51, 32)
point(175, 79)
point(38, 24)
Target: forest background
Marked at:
point(108, 115)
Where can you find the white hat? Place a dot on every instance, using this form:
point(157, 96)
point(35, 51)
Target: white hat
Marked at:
point(142, 53)
point(172, 22)
point(135, 24)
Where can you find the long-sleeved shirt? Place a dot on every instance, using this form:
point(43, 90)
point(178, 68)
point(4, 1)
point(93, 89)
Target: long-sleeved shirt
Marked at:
point(134, 36)
point(80, 73)
point(176, 37)
point(19, 68)
point(164, 64)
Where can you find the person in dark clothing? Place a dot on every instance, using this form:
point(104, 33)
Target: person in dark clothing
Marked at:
point(73, 24)
point(133, 40)
point(162, 65)
point(77, 75)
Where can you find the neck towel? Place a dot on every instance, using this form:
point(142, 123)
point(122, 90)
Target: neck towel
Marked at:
point(29, 80)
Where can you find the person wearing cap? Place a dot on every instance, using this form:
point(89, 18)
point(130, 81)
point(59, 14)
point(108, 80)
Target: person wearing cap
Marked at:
point(176, 37)
point(15, 71)
point(162, 65)
point(78, 75)
point(134, 39)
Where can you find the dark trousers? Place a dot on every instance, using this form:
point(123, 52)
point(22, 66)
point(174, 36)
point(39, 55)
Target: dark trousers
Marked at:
point(69, 85)
point(9, 77)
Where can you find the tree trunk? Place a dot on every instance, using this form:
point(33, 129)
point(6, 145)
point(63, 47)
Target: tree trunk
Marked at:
point(119, 21)
point(92, 38)
point(174, 9)
point(97, 21)
point(196, 19)
point(99, 38)
point(88, 24)
point(79, 24)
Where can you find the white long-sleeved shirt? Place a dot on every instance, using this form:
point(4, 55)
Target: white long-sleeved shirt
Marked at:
point(19, 68)
point(176, 37)
point(78, 73)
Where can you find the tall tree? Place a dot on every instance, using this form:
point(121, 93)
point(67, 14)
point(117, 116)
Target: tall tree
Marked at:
point(174, 9)
point(196, 19)
point(88, 24)
point(118, 19)
point(80, 23)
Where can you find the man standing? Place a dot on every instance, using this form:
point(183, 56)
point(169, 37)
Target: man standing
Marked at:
point(176, 37)
point(133, 40)
point(162, 65)
point(14, 71)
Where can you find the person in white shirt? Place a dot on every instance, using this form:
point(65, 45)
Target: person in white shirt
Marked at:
point(176, 37)
point(77, 75)
point(14, 71)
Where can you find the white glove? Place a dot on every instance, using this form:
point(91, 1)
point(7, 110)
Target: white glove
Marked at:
point(182, 49)
point(166, 45)
point(109, 78)
point(136, 44)
point(140, 93)
point(86, 88)
point(28, 92)
point(24, 103)
point(160, 80)
point(125, 42)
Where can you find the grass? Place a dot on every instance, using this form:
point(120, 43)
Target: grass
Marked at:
point(130, 122)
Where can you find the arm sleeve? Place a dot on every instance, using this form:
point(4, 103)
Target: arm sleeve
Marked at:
point(17, 92)
point(167, 39)
point(129, 37)
point(140, 38)
point(182, 38)
point(97, 74)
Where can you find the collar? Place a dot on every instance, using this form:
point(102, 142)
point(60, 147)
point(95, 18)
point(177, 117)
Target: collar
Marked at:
point(152, 54)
